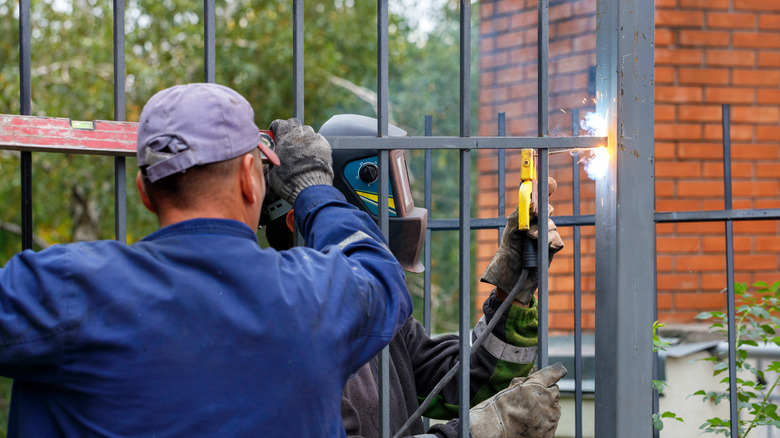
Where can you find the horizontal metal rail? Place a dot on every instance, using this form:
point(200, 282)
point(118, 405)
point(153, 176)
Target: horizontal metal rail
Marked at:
point(54, 134)
point(492, 223)
point(100, 137)
point(716, 215)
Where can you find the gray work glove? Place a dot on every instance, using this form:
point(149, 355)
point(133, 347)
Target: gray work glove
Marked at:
point(528, 408)
point(504, 269)
point(305, 159)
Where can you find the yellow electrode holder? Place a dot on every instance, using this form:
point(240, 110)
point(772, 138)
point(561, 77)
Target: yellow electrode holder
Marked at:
point(527, 175)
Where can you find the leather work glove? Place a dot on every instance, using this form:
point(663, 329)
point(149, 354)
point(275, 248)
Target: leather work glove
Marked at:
point(305, 159)
point(528, 408)
point(505, 267)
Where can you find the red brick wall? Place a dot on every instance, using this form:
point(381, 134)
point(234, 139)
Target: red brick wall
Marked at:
point(708, 52)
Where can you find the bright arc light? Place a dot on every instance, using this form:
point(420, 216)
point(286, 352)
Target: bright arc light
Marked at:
point(595, 162)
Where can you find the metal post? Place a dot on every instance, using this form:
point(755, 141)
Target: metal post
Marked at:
point(429, 207)
point(625, 229)
point(542, 43)
point(298, 59)
point(543, 256)
point(298, 77)
point(25, 103)
point(382, 191)
point(501, 174)
point(575, 199)
point(542, 115)
point(464, 323)
point(120, 172)
point(210, 45)
point(733, 402)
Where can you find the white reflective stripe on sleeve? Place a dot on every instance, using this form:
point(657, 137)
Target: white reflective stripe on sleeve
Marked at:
point(502, 350)
point(358, 235)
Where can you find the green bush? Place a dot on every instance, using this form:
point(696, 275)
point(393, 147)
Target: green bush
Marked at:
point(756, 323)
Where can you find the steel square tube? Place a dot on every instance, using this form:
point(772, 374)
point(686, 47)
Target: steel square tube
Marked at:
point(625, 231)
point(298, 59)
point(718, 215)
point(730, 301)
point(383, 192)
point(25, 103)
point(428, 206)
point(464, 324)
point(445, 142)
point(209, 41)
point(576, 242)
point(120, 171)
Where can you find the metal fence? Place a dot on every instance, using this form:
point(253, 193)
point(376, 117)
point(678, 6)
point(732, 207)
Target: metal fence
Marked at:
point(625, 265)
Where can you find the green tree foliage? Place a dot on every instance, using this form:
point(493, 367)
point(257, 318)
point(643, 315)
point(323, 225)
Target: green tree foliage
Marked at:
point(72, 77)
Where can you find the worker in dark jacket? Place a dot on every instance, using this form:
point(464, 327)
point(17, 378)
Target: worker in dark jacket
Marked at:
point(196, 330)
point(418, 361)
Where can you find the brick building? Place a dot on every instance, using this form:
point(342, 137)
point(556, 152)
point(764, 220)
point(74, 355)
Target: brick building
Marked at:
point(708, 53)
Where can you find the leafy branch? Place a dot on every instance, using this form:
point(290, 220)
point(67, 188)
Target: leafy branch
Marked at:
point(755, 324)
point(659, 385)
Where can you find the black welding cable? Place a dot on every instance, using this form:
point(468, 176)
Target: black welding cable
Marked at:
point(451, 373)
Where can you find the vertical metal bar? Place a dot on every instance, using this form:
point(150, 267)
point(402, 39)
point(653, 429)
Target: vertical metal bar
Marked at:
point(543, 27)
point(625, 228)
point(543, 11)
point(25, 103)
point(465, 292)
point(384, 355)
point(120, 172)
point(209, 45)
point(727, 156)
point(501, 173)
point(298, 76)
point(465, 68)
point(575, 199)
point(543, 255)
point(382, 67)
point(429, 207)
point(298, 59)
point(382, 130)
point(464, 324)
point(120, 199)
point(733, 402)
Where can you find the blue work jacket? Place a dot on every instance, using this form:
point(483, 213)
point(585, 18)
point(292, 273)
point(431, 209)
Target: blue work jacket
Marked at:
point(196, 330)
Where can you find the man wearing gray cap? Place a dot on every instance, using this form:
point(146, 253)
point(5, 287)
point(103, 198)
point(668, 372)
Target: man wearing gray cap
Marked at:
point(195, 330)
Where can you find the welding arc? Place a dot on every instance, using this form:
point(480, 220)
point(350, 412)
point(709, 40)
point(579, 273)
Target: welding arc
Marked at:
point(474, 347)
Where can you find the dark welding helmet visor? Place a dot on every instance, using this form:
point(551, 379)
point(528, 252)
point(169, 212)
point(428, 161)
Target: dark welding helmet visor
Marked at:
point(356, 175)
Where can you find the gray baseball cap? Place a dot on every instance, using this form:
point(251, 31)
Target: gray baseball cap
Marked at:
point(195, 124)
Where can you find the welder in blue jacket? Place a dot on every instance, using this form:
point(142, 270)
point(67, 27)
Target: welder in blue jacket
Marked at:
point(195, 330)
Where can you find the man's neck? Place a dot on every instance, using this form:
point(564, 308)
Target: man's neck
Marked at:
point(173, 215)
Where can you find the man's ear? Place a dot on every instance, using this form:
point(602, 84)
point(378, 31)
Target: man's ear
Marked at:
point(248, 176)
point(289, 219)
point(139, 182)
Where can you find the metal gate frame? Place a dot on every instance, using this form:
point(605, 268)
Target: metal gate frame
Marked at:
point(625, 197)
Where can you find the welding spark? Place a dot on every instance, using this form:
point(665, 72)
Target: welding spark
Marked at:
point(595, 162)
point(595, 124)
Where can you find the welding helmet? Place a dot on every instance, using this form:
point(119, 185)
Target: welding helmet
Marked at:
point(356, 175)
